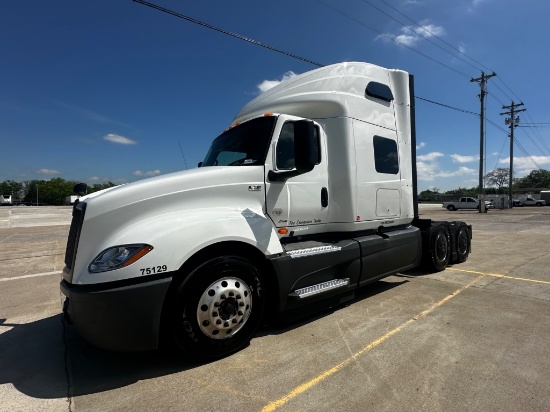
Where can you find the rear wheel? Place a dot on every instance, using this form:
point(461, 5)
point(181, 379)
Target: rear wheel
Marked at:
point(451, 208)
point(217, 309)
point(437, 252)
point(462, 240)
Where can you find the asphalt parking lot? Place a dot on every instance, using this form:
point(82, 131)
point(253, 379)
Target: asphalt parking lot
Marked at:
point(473, 337)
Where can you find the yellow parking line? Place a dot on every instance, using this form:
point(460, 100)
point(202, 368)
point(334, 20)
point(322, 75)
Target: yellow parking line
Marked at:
point(496, 275)
point(271, 406)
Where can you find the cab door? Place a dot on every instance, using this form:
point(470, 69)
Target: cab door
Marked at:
point(301, 201)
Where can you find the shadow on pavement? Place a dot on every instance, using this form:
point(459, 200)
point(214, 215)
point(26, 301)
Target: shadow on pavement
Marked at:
point(46, 359)
point(35, 360)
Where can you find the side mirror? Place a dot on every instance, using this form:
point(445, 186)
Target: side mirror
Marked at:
point(200, 164)
point(306, 152)
point(81, 189)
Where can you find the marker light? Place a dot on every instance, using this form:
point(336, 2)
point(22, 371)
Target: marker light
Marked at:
point(118, 257)
point(283, 231)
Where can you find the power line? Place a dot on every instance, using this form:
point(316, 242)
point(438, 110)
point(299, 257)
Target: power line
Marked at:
point(257, 43)
point(423, 37)
point(392, 38)
point(457, 50)
point(229, 33)
point(434, 35)
point(448, 106)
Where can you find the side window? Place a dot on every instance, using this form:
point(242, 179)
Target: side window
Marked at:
point(285, 147)
point(386, 159)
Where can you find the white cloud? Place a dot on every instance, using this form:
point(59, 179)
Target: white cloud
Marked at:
point(464, 159)
point(48, 172)
point(420, 145)
point(460, 172)
point(115, 138)
point(430, 157)
point(269, 84)
point(411, 35)
point(428, 168)
point(94, 179)
point(524, 165)
point(149, 173)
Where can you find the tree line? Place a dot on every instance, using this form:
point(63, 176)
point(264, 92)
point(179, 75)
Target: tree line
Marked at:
point(49, 192)
point(497, 182)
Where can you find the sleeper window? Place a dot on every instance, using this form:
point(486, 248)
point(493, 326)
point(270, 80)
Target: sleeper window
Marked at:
point(386, 159)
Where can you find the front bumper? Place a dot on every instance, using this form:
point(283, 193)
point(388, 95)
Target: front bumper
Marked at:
point(117, 316)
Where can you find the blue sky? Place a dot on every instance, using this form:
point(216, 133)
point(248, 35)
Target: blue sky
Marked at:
point(109, 89)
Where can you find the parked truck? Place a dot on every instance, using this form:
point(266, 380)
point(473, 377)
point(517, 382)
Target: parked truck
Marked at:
point(530, 201)
point(309, 195)
point(5, 200)
point(466, 203)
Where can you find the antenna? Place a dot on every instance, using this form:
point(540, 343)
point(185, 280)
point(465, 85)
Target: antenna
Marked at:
point(186, 168)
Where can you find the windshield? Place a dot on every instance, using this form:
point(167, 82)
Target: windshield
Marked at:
point(245, 144)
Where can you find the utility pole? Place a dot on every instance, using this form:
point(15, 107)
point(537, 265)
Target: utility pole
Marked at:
point(513, 121)
point(482, 80)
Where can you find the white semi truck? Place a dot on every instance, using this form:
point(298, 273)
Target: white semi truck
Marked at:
point(309, 195)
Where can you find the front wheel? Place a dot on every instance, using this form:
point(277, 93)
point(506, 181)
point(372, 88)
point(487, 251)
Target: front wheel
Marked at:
point(217, 309)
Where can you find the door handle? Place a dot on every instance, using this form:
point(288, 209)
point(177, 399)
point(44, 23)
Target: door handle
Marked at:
point(324, 197)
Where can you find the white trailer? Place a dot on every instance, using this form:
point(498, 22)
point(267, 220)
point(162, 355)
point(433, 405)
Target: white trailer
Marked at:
point(309, 195)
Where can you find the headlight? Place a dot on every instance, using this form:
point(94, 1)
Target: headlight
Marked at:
point(117, 257)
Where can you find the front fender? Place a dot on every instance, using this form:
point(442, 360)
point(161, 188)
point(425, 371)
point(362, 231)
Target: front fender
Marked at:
point(175, 237)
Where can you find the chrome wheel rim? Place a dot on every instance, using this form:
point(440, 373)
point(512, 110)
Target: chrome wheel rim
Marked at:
point(224, 308)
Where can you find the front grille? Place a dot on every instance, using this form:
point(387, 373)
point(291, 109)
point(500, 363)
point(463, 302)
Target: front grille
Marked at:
point(74, 233)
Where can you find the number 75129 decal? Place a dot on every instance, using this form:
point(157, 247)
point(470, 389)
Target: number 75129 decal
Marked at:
point(154, 269)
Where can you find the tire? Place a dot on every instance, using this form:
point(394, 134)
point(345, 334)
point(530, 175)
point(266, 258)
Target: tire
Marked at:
point(437, 252)
point(462, 242)
point(539, 204)
point(451, 208)
point(217, 309)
